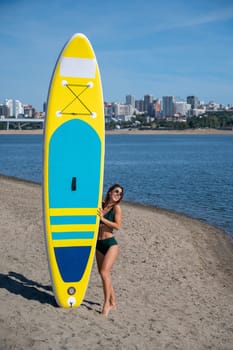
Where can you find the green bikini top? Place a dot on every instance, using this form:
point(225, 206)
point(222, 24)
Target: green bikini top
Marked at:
point(110, 215)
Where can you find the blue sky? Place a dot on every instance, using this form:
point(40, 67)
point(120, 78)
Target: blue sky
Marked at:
point(169, 47)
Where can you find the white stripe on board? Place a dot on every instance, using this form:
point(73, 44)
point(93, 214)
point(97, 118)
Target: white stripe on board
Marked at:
point(78, 67)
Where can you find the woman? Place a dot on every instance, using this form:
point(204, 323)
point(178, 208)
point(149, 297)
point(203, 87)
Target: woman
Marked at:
point(107, 248)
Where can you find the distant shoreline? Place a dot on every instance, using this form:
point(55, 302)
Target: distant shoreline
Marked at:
point(168, 132)
point(134, 132)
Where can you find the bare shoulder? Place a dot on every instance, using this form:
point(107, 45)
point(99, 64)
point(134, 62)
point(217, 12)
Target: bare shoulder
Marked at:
point(117, 209)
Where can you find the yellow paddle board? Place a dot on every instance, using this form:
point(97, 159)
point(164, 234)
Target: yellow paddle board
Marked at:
point(73, 169)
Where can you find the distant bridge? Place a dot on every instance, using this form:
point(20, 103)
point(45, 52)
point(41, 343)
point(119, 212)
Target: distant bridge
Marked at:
point(19, 123)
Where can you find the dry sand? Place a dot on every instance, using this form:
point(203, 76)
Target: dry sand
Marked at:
point(173, 282)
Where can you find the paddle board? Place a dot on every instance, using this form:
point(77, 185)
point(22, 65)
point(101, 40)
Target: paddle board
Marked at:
point(73, 162)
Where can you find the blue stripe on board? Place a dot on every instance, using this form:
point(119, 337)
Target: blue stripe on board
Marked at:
point(72, 235)
point(72, 262)
point(72, 220)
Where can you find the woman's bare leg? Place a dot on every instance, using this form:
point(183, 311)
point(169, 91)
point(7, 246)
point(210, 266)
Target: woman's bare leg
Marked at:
point(99, 259)
point(105, 263)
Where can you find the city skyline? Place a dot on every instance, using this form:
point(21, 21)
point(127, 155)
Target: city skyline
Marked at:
point(168, 105)
point(147, 99)
point(173, 48)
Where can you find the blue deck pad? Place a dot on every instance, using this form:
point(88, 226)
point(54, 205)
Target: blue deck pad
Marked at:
point(73, 220)
point(72, 262)
point(72, 235)
point(74, 152)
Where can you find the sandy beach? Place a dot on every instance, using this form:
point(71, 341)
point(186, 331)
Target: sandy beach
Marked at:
point(205, 131)
point(173, 282)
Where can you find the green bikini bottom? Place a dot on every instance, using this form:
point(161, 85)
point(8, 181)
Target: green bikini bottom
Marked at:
point(103, 245)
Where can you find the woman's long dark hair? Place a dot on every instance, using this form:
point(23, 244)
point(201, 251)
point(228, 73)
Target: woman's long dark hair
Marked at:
point(107, 197)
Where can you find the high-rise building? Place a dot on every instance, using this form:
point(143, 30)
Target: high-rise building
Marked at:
point(193, 101)
point(9, 104)
point(4, 111)
point(157, 107)
point(44, 107)
point(139, 105)
point(122, 109)
point(15, 108)
point(130, 100)
point(182, 108)
point(109, 109)
point(29, 111)
point(19, 110)
point(168, 106)
point(148, 99)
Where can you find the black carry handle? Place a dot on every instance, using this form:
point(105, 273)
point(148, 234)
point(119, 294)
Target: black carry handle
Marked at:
point(73, 184)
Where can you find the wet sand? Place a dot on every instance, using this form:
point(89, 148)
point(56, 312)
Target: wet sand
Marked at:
point(173, 281)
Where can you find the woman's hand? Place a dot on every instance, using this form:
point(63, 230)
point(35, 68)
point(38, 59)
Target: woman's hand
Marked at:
point(100, 213)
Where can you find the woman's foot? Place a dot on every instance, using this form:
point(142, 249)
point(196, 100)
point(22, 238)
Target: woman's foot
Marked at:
point(107, 308)
point(113, 306)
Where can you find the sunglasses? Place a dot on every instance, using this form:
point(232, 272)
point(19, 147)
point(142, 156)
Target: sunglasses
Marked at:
point(118, 192)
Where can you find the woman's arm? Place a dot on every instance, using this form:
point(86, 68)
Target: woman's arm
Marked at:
point(117, 215)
